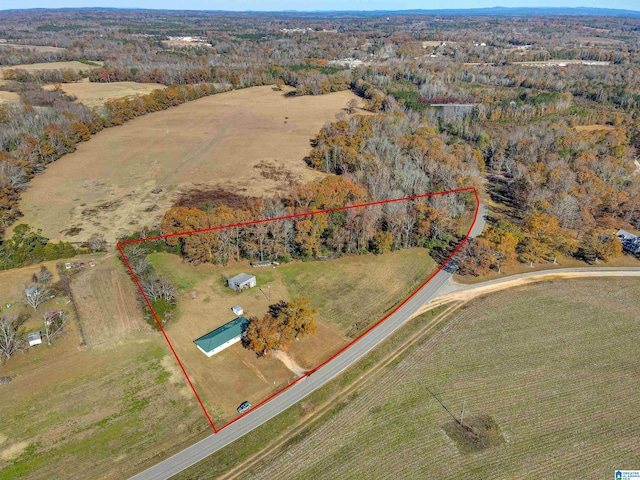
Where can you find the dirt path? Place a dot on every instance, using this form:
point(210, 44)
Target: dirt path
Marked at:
point(289, 363)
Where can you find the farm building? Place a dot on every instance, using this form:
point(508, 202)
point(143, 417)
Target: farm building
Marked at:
point(222, 337)
point(34, 338)
point(242, 281)
point(630, 242)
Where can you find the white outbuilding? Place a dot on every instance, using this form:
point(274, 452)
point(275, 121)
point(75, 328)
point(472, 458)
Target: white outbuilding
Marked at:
point(34, 338)
point(242, 281)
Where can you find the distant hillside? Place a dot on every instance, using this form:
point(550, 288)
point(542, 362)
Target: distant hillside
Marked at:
point(490, 11)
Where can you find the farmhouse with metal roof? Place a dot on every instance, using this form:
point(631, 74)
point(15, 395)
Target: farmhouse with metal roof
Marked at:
point(222, 337)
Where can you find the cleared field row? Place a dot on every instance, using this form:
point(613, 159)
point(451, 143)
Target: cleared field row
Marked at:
point(554, 364)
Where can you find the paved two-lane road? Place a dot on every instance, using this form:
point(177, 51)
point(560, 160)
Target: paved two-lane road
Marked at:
point(297, 392)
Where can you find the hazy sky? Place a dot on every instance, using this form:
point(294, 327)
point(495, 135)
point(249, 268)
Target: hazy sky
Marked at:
point(273, 5)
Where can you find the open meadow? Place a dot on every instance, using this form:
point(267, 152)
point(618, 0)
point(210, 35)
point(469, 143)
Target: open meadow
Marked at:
point(105, 398)
point(94, 94)
point(9, 97)
point(32, 67)
point(250, 141)
point(35, 48)
point(350, 294)
point(554, 365)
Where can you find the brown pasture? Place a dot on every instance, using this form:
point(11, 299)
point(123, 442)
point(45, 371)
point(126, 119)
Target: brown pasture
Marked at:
point(9, 97)
point(107, 303)
point(594, 128)
point(251, 141)
point(32, 67)
point(35, 48)
point(94, 94)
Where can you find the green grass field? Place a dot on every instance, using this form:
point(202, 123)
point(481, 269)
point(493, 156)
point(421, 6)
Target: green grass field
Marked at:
point(554, 364)
point(354, 292)
point(350, 293)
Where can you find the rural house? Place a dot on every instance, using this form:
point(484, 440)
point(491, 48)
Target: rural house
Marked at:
point(630, 242)
point(222, 337)
point(242, 281)
point(34, 338)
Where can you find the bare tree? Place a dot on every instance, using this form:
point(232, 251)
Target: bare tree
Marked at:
point(351, 106)
point(44, 275)
point(166, 289)
point(35, 296)
point(97, 244)
point(54, 322)
point(12, 335)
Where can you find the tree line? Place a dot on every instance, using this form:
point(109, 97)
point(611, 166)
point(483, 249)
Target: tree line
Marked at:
point(374, 229)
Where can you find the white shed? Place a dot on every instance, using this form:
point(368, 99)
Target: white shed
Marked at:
point(34, 338)
point(242, 281)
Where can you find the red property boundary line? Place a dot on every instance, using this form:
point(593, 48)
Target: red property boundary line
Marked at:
point(253, 222)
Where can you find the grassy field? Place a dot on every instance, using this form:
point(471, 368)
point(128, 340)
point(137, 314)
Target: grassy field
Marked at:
point(35, 48)
point(101, 409)
point(107, 185)
point(9, 97)
point(593, 128)
point(31, 67)
point(353, 292)
point(350, 294)
point(94, 94)
point(554, 365)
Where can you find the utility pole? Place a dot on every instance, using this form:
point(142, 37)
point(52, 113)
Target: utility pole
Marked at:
point(443, 406)
point(462, 414)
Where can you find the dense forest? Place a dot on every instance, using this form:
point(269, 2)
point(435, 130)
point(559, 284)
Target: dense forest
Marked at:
point(539, 113)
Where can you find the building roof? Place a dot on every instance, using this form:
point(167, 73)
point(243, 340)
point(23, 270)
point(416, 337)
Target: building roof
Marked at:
point(34, 336)
point(623, 234)
point(222, 335)
point(241, 278)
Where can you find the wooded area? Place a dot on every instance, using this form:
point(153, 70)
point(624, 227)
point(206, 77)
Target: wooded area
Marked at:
point(508, 107)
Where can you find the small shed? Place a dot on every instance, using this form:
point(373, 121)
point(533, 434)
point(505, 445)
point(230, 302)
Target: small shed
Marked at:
point(222, 337)
point(242, 281)
point(34, 338)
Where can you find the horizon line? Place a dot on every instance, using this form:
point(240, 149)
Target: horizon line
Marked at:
point(443, 10)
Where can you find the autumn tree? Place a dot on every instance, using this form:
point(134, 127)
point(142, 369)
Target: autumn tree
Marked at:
point(597, 244)
point(475, 257)
point(284, 322)
point(297, 314)
point(503, 237)
point(382, 242)
point(266, 334)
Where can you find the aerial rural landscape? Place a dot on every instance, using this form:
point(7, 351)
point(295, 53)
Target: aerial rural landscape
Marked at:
point(319, 244)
